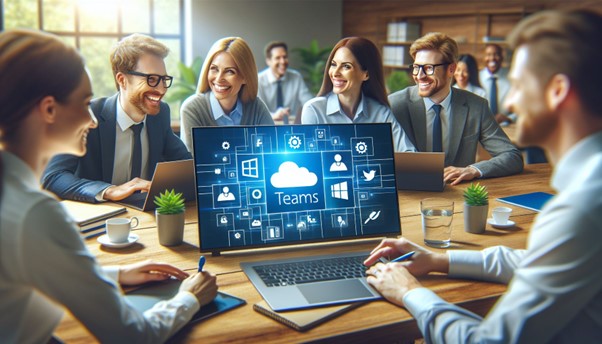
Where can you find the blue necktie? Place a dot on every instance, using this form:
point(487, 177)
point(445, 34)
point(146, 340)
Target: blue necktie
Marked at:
point(280, 99)
point(493, 95)
point(136, 151)
point(437, 141)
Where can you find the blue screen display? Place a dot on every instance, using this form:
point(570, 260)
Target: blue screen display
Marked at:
point(277, 185)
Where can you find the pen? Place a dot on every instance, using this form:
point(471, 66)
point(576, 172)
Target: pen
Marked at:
point(201, 263)
point(403, 257)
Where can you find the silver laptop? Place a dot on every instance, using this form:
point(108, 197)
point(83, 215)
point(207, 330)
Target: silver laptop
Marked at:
point(421, 171)
point(177, 175)
point(292, 184)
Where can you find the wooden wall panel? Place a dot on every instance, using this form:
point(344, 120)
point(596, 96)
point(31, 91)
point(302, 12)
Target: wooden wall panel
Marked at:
point(467, 21)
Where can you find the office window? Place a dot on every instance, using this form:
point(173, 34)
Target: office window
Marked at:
point(93, 26)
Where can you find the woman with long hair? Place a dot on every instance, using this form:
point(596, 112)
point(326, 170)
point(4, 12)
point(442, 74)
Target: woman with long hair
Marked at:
point(227, 91)
point(353, 90)
point(466, 76)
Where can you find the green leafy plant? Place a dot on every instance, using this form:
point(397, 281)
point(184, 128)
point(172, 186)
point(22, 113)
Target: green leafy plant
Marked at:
point(185, 85)
point(313, 61)
point(476, 195)
point(397, 80)
point(170, 202)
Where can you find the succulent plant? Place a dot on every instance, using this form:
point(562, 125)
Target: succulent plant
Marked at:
point(476, 195)
point(170, 202)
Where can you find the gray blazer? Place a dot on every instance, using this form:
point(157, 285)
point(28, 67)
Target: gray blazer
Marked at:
point(471, 122)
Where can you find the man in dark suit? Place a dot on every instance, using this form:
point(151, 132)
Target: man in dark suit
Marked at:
point(133, 133)
point(438, 117)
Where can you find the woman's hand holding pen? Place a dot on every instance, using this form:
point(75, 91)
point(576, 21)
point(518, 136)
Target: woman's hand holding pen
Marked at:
point(202, 284)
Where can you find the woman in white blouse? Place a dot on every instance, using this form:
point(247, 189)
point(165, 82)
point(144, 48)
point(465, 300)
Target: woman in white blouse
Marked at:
point(466, 75)
point(45, 267)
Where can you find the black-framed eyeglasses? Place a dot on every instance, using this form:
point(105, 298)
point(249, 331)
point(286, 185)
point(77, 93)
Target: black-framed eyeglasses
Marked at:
point(428, 69)
point(154, 79)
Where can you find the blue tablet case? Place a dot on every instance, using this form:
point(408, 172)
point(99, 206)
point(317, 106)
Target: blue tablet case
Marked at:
point(533, 201)
point(146, 297)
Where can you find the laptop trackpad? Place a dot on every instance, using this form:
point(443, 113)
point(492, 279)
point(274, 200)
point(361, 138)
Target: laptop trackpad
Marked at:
point(334, 291)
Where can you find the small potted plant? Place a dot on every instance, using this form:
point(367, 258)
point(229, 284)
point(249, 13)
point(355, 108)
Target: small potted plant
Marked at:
point(476, 207)
point(170, 217)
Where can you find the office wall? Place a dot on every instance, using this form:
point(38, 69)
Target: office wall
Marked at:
point(296, 22)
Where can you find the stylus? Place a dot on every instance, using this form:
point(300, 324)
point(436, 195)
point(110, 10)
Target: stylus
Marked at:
point(403, 257)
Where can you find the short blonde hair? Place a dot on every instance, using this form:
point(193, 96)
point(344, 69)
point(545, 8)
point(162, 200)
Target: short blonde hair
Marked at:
point(126, 53)
point(438, 41)
point(245, 62)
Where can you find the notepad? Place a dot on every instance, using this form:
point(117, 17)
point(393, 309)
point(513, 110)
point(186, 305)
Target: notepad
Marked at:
point(305, 319)
point(146, 297)
point(87, 213)
point(532, 201)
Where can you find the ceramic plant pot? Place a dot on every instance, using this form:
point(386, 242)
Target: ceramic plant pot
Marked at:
point(475, 218)
point(170, 228)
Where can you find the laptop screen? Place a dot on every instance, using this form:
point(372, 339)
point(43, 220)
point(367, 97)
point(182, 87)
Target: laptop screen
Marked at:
point(263, 186)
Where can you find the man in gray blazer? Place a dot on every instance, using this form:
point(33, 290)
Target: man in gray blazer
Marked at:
point(437, 117)
point(120, 159)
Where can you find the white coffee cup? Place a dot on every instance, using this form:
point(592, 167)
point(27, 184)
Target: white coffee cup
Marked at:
point(118, 229)
point(501, 215)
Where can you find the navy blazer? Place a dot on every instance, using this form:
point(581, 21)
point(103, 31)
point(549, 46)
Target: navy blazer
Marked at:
point(82, 178)
point(471, 123)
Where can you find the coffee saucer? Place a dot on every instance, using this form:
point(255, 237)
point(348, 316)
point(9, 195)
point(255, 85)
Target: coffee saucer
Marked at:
point(508, 224)
point(104, 240)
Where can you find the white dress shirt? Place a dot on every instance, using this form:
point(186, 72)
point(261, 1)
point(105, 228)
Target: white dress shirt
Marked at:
point(555, 285)
point(327, 109)
point(124, 146)
point(46, 268)
point(294, 91)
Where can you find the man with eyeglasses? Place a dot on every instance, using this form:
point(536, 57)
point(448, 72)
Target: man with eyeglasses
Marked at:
point(440, 118)
point(133, 134)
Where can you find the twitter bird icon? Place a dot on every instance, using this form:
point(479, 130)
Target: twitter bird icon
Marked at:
point(369, 175)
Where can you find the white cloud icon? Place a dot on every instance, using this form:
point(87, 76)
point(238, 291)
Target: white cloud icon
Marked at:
point(290, 175)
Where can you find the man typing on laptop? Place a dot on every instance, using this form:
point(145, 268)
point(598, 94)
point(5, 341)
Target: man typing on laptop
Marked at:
point(133, 133)
point(440, 118)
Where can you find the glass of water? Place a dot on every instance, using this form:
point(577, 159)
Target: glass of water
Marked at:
point(437, 215)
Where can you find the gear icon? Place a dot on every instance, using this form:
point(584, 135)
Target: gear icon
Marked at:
point(225, 145)
point(294, 142)
point(361, 147)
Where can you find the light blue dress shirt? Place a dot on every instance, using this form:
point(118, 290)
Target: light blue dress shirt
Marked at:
point(554, 286)
point(327, 109)
point(220, 116)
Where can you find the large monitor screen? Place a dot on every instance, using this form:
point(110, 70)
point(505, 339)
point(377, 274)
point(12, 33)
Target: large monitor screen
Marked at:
point(278, 185)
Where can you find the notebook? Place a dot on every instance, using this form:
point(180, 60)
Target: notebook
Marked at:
point(146, 297)
point(177, 175)
point(85, 214)
point(532, 201)
point(421, 171)
point(291, 184)
point(305, 319)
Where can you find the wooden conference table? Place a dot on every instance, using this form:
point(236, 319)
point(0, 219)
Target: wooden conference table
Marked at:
point(377, 321)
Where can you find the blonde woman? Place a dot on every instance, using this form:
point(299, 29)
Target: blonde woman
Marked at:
point(227, 91)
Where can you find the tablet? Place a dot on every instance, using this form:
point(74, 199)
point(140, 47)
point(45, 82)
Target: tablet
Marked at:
point(146, 297)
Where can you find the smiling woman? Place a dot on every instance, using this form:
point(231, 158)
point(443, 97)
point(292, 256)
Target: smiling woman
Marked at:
point(227, 91)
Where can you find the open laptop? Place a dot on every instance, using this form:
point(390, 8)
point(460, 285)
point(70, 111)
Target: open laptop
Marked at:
point(422, 171)
point(286, 185)
point(177, 175)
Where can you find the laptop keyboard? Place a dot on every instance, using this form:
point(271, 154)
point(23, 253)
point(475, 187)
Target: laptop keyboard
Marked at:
point(327, 269)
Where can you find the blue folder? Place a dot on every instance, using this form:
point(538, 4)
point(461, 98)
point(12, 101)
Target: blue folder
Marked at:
point(533, 201)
